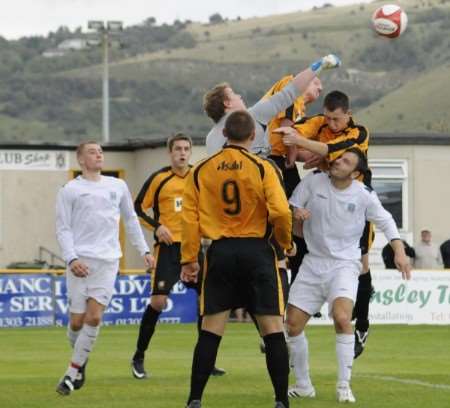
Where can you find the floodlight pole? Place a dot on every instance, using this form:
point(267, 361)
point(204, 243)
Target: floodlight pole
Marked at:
point(105, 31)
point(105, 44)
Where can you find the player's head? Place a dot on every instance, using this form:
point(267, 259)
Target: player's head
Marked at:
point(350, 165)
point(180, 150)
point(313, 91)
point(425, 235)
point(90, 156)
point(239, 127)
point(220, 100)
point(336, 108)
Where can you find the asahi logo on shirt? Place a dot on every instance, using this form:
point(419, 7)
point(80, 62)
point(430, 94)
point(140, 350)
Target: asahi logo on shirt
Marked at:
point(112, 195)
point(351, 207)
point(230, 166)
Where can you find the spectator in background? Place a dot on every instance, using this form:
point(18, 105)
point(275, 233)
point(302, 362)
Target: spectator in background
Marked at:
point(445, 253)
point(388, 255)
point(428, 255)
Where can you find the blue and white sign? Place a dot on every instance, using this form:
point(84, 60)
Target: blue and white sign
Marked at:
point(26, 300)
point(40, 300)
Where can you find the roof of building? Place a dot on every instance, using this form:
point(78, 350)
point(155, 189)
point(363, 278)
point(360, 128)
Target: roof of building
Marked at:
point(393, 139)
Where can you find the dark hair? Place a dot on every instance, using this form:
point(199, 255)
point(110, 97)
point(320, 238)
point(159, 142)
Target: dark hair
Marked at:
point(175, 137)
point(362, 166)
point(82, 145)
point(239, 126)
point(213, 101)
point(335, 100)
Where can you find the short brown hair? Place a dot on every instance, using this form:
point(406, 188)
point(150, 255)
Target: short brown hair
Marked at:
point(177, 136)
point(82, 145)
point(213, 101)
point(335, 100)
point(239, 126)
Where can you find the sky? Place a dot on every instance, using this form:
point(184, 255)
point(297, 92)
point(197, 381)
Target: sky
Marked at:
point(37, 17)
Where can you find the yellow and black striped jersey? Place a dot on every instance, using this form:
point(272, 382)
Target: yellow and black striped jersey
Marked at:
point(316, 128)
point(293, 113)
point(163, 193)
point(233, 194)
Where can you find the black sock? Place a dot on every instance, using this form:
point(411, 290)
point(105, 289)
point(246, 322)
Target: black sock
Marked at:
point(199, 324)
point(277, 360)
point(146, 330)
point(205, 354)
point(361, 309)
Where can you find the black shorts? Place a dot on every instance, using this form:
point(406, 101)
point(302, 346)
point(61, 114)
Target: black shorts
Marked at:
point(168, 269)
point(368, 236)
point(242, 272)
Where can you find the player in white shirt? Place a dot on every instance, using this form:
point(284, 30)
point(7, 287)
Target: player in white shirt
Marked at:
point(88, 211)
point(334, 208)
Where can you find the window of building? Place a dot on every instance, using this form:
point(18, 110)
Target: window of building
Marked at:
point(390, 181)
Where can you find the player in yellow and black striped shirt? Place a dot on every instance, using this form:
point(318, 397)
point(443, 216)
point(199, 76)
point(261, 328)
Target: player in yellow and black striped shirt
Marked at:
point(329, 136)
point(232, 197)
point(281, 154)
point(163, 194)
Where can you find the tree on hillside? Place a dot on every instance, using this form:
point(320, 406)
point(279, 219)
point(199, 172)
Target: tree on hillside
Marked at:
point(216, 18)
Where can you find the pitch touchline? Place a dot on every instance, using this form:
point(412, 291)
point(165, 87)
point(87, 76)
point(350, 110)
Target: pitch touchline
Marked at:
point(406, 381)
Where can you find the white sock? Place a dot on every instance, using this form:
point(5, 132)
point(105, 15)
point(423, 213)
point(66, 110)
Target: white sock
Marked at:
point(299, 359)
point(345, 345)
point(83, 346)
point(72, 335)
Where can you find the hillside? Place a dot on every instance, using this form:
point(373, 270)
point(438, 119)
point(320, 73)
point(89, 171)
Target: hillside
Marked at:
point(157, 91)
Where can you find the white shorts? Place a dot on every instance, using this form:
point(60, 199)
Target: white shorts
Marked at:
point(98, 285)
point(321, 280)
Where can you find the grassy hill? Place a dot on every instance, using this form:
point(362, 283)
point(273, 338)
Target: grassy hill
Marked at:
point(155, 93)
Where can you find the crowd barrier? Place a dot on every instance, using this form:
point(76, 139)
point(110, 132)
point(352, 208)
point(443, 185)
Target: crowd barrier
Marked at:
point(38, 298)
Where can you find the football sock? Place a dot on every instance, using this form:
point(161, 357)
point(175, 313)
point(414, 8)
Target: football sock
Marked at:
point(72, 335)
point(277, 361)
point(361, 309)
point(199, 324)
point(146, 330)
point(299, 359)
point(83, 346)
point(345, 344)
point(203, 362)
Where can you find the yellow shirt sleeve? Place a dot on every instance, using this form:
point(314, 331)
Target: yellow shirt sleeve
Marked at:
point(190, 235)
point(279, 213)
point(309, 127)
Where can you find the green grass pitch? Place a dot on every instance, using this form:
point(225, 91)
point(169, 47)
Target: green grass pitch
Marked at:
point(402, 367)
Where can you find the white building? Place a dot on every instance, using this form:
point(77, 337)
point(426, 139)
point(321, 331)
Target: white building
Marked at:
point(411, 174)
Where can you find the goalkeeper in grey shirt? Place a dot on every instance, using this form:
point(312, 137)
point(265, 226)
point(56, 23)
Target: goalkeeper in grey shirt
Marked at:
point(221, 100)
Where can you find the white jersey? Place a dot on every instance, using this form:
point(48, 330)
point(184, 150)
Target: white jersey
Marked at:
point(338, 217)
point(88, 215)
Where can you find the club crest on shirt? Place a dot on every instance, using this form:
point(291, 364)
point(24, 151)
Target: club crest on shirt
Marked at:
point(178, 204)
point(112, 195)
point(351, 207)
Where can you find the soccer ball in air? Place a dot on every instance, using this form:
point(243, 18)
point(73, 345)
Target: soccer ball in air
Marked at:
point(389, 21)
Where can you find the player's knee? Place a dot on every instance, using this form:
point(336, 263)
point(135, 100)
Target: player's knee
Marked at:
point(293, 326)
point(76, 324)
point(159, 303)
point(342, 320)
point(365, 263)
point(93, 320)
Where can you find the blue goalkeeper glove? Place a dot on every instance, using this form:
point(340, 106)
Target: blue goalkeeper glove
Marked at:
point(328, 62)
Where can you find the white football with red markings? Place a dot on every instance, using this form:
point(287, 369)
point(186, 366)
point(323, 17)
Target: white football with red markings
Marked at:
point(389, 21)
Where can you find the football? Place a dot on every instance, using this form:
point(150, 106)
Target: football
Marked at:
point(389, 21)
